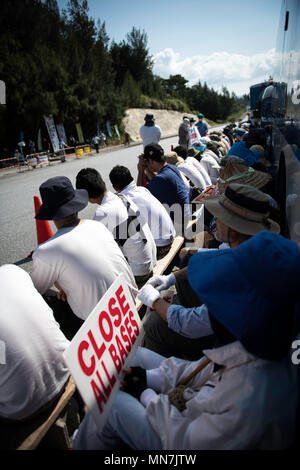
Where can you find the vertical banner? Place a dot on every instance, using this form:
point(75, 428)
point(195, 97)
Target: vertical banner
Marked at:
point(104, 345)
point(108, 128)
point(39, 141)
point(61, 133)
point(49, 121)
point(2, 92)
point(79, 133)
point(117, 132)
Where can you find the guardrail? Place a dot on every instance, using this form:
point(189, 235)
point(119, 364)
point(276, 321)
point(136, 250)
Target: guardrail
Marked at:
point(37, 160)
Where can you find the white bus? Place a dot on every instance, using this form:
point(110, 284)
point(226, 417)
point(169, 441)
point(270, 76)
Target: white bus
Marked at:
point(286, 118)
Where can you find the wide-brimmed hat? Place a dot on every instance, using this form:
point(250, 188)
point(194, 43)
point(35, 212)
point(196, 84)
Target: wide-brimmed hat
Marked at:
point(261, 151)
point(192, 119)
point(173, 158)
point(192, 152)
point(235, 171)
point(60, 199)
point(252, 290)
point(243, 208)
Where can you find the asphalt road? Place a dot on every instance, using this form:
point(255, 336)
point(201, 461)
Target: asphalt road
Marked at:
point(17, 190)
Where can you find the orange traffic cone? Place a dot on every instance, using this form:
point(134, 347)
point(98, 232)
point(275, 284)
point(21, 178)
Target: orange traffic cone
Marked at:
point(43, 228)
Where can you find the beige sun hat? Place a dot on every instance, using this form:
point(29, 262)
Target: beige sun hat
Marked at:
point(261, 150)
point(243, 208)
point(173, 158)
point(235, 171)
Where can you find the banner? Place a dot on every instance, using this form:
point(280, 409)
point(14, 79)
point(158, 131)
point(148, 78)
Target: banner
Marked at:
point(39, 141)
point(108, 128)
point(104, 345)
point(61, 133)
point(117, 131)
point(79, 133)
point(49, 121)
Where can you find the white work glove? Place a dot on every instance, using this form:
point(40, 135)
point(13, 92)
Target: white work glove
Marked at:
point(162, 282)
point(148, 295)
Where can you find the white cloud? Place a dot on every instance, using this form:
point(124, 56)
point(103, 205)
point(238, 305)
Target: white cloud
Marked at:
point(235, 71)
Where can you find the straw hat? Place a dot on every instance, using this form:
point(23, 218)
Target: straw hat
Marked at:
point(173, 158)
point(235, 171)
point(243, 208)
point(261, 151)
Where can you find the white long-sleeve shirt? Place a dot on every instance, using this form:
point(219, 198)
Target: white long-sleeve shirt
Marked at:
point(251, 405)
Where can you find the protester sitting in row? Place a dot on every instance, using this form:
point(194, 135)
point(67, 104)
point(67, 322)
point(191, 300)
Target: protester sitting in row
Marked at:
point(191, 160)
point(243, 394)
point(196, 180)
point(263, 164)
point(220, 141)
point(165, 184)
point(238, 134)
point(82, 259)
point(233, 169)
point(121, 217)
point(33, 373)
point(207, 162)
point(240, 213)
point(151, 209)
point(212, 149)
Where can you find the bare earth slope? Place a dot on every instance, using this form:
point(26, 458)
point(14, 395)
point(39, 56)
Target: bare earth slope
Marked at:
point(168, 121)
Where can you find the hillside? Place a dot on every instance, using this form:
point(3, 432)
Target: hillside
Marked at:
point(168, 121)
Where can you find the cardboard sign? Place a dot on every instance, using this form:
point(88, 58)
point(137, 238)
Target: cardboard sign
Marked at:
point(104, 345)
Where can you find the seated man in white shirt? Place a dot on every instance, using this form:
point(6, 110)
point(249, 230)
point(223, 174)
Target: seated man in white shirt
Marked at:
point(121, 216)
point(207, 162)
point(151, 209)
point(244, 393)
point(82, 259)
point(189, 160)
point(33, 372)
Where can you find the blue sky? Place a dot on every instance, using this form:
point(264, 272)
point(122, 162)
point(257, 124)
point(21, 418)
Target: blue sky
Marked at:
point(225, 43)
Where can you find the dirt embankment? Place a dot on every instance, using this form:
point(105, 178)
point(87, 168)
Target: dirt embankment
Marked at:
point(168, 121)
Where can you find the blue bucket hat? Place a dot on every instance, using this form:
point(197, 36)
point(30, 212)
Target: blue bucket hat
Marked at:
point(252, 290)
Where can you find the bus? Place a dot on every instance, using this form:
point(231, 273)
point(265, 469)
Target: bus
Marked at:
point(285, 118)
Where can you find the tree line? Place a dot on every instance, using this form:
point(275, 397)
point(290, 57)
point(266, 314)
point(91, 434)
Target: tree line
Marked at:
point(64, 64)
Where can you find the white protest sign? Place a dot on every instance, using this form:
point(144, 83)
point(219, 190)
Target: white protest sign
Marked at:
point(104, 345)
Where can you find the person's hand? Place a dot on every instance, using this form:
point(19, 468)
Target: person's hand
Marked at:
point(185, 251)
point(134, 382)
point(147, 294)
point(142, 164)
point(61, 295)
point(161, 282)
